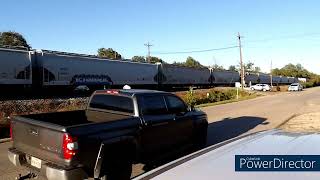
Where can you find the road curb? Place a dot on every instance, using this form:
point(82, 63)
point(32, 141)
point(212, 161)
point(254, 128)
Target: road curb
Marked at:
point(4, 140)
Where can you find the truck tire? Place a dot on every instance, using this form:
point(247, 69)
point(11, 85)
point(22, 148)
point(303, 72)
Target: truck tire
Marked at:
point(201, 138)
point(119, 171)
point(118, 163)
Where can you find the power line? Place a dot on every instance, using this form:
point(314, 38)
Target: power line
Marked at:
point(294, 36)
point(196, 51)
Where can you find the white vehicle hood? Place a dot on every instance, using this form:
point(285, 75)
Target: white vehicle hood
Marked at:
point(218, 161)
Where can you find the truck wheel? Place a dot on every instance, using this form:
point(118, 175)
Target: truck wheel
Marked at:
point(201, 138)
point(118, 163)
point(119, 171)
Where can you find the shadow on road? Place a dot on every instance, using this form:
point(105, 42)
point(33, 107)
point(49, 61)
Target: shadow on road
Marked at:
point(217, 132)
point(232, 127)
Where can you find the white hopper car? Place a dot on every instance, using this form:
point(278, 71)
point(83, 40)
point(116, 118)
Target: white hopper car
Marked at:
point(177, 75)
point(49, 69)
point(66, 70)
point(15, 67)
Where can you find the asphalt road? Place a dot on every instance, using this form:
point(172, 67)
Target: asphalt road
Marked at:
point(228, 120)
point(262, 113)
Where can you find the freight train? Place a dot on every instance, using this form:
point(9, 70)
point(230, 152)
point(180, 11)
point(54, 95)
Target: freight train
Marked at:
point(45, 69)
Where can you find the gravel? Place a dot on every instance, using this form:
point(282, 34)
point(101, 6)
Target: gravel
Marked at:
point(305, 123)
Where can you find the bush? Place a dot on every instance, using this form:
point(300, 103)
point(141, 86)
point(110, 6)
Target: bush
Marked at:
point(193, 98)
point(312, 82)
point(20, 107)
point(308, 84)
point(190, 98)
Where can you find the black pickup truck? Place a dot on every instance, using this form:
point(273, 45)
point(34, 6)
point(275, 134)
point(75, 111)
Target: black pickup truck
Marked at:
point(118, 128)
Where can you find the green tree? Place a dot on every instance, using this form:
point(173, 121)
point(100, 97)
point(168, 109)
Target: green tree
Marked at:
point(256, 69)
point(154, 60)
point(178, 63)
point(249, 66)
point(293, 71)
point(191, 62)
point(109, 53)
point(138, 59)
point(276, 72)
point(232, 68)
point(217, 67)
point(298, 70)
point(11, 38)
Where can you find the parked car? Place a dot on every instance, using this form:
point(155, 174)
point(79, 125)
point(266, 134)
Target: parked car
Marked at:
point(261, 87)
point(295, 87)
point(218, 161)
point(118, 128)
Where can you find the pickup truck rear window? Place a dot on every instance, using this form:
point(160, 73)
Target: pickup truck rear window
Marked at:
point(111, 102)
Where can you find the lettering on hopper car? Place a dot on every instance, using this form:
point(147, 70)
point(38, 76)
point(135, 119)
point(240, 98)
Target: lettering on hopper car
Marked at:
point(85, 79)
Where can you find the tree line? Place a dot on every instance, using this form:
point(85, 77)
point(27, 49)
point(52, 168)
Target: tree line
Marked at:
point(14, 39)
point(298, 71)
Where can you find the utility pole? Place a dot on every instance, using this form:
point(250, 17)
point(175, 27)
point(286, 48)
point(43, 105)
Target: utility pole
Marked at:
point(148, 45)
point(271, 74)
point(241, 63)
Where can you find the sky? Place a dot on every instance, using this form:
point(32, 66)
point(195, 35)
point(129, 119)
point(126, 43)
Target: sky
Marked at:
point(281, 31)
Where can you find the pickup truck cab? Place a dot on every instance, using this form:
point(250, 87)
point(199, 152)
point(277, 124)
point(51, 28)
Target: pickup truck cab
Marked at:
point(118, 128)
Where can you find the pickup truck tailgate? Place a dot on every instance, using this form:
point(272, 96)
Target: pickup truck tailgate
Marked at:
point(38, 139)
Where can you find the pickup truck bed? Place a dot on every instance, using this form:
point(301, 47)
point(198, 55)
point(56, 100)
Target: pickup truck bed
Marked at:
point(69, 118)
point(116, 130)
point(73, 118)
point(40, 136)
